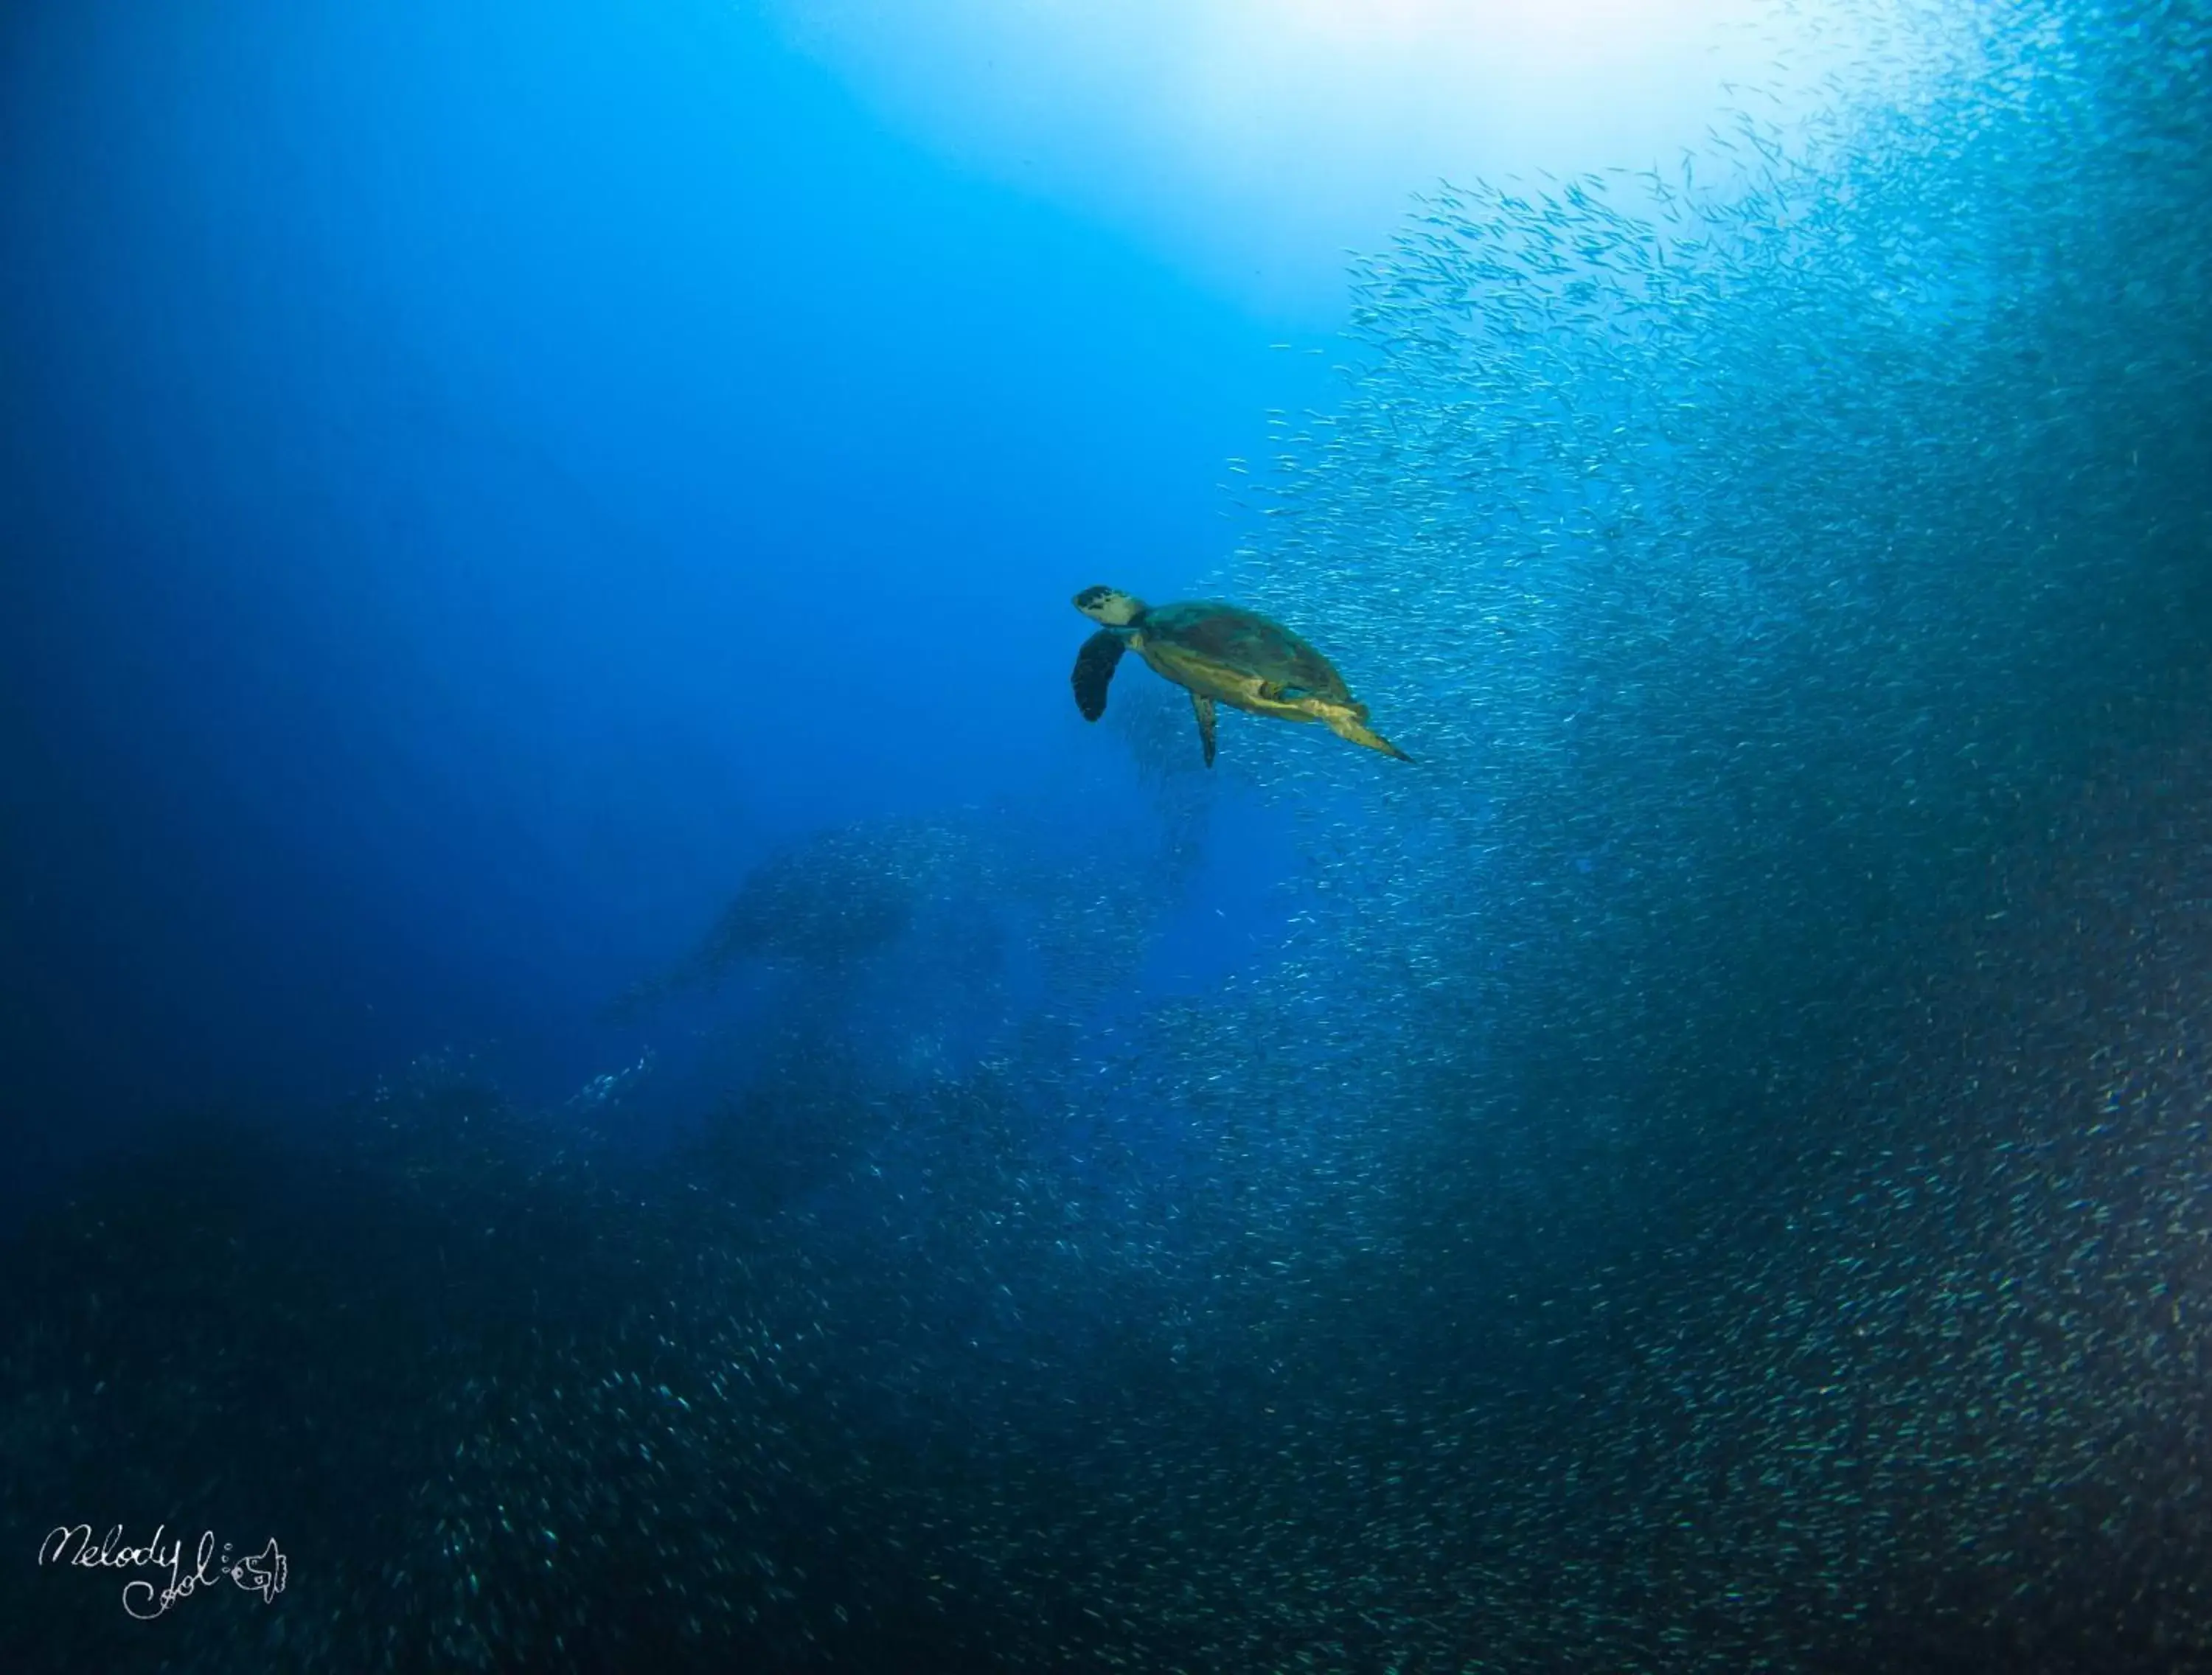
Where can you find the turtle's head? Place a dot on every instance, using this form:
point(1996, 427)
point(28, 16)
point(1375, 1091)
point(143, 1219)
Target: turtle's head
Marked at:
point(1109, 605)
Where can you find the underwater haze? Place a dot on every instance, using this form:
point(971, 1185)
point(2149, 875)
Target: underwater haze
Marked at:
point(605, 1072)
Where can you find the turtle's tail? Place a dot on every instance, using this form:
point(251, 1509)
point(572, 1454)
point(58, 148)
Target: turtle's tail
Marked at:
point(1345, 724)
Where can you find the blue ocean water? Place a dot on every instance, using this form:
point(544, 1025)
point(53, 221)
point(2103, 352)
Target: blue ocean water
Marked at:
point(597, 1053)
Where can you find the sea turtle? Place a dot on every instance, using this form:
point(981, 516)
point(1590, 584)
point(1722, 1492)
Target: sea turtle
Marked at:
point(1222, 654)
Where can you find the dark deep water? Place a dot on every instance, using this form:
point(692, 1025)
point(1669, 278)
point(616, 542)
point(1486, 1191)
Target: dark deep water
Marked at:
point(596, 1050)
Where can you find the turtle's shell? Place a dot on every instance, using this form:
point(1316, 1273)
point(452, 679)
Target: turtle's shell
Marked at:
point(1241, 642)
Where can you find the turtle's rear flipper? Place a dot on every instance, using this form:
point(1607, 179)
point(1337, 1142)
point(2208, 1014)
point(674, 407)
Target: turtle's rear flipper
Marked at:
point(1094, 668)
point(1344, 727)
point(1204, 706)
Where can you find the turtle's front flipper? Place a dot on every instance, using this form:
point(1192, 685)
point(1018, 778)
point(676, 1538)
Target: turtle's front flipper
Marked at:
point(1344, 727)
point(1204, 706)
point(1094, 668)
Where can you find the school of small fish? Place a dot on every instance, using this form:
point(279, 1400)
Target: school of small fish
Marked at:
point(1716, 1177)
